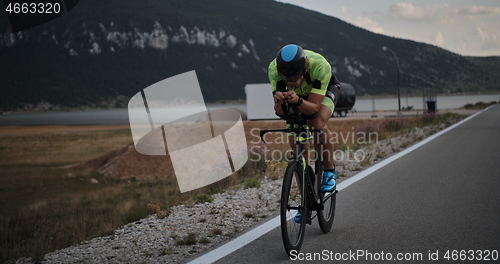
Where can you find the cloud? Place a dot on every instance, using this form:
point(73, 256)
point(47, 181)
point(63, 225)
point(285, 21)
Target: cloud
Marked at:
point(362, 22)
point(490, 36)
point(461, 45)
point(475, 11)
point(438, 38)
point(406, 11)
point(435, 14)
point(439, 13)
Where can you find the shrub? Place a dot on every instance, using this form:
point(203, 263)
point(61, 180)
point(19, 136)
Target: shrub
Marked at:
point(217, 231)
point(394, 124)
point(156, 208)
point(190, 239)
point(248, 215)
point(205, 240)
point(427, 118)
point(204, 198)
point(368, 133)
point(479, 105)
point(251, 182)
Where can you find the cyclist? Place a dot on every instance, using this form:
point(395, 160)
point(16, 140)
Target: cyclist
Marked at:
point(302, 77)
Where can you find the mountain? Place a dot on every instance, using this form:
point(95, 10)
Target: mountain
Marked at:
point(103, 52)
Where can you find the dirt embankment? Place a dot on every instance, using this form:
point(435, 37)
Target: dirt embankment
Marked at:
point(128, 163)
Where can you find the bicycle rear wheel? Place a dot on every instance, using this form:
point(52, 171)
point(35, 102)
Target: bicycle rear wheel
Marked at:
point(292, 199)
point(326, 216)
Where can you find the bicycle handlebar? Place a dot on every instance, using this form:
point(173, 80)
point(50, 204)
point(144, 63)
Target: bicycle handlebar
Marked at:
point(292, 117)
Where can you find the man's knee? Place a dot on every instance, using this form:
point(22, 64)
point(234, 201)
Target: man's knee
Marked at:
point(316, 123)
point(320, 121)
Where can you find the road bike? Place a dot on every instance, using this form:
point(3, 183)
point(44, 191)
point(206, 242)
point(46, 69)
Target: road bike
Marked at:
point(301, 185)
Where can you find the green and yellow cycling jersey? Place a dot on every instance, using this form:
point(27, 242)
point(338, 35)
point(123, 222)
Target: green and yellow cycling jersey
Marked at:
point(319, 70)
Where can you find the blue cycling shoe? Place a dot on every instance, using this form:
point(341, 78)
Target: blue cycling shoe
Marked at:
point(329, 181)
point(298, 217)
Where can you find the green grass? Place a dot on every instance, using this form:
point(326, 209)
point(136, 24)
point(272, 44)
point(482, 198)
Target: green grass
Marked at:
point(46, 207)
point(251, 182)
point(375, 131)
point(392, 127)
point(66, 212)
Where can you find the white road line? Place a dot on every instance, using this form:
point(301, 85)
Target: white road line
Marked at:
point(260, 230)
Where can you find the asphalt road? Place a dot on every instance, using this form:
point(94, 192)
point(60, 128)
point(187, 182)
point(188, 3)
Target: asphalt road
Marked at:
point(441, 197)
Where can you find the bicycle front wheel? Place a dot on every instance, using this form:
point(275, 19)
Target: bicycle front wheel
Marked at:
point(292, 198)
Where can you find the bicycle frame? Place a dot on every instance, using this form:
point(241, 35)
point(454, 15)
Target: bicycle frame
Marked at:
point(307, 184)
point(310, 183)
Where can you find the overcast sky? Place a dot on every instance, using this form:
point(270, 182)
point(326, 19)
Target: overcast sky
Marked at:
point(466, 27)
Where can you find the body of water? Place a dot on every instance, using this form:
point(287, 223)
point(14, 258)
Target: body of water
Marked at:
point(442, 102)
point(120, 116)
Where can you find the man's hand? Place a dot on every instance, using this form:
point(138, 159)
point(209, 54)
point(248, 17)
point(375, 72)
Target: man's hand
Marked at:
point(291, 97)
point(279, 98)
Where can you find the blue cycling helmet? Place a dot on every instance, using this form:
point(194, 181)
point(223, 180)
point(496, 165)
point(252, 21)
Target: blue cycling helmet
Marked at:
point(291, 62)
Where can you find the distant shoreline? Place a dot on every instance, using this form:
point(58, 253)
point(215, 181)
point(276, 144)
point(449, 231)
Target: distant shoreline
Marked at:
point(34, 129)
point(58, 109)
point(394, 96)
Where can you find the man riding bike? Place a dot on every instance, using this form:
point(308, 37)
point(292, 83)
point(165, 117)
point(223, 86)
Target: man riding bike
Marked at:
point(302, 78)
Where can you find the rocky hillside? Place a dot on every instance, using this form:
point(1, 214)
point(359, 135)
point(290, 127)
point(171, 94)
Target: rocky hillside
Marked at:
point(103, 52)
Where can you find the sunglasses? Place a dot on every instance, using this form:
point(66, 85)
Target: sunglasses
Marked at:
point(292, 78)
